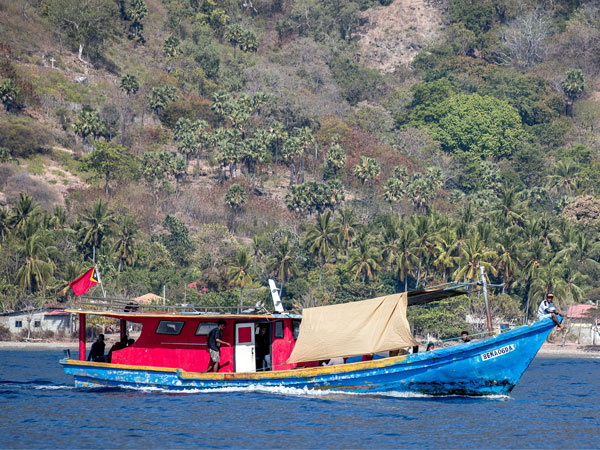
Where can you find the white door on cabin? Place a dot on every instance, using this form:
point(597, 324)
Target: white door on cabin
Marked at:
point(244, 348)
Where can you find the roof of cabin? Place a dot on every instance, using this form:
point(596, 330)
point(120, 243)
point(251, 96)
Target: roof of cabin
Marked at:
point(183, 315)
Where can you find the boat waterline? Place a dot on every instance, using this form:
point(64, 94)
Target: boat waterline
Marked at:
point(484, 367)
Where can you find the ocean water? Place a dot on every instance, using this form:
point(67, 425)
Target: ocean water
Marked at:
point(555, 405)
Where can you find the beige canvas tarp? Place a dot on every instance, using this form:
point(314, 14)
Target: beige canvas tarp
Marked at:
point(350, 329)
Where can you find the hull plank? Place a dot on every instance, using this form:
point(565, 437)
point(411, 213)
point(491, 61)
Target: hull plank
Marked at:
point(488, 366)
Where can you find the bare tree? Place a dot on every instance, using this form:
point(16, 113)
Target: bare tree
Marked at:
point(525, 39)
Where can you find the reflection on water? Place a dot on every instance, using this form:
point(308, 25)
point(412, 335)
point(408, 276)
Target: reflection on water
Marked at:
point(556, 404)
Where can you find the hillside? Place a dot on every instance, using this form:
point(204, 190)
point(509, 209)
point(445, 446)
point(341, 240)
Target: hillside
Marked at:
point(347, 148)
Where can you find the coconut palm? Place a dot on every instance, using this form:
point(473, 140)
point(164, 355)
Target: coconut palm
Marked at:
point(473, 254)
point(38, 267)
point(407, 260)
point(238, 273)
point(24, 209)
point(507, 262)
point(364, 260)
point(444, 252)
point(97, 222)
point(124, 245)
point(283, 262)
point(4, 224)
point(509, 210)
point(322, 237)
point(347, 224)
point(563, 178)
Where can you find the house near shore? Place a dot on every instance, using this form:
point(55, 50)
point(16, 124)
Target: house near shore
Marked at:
point(584, 321)
point(39, 320)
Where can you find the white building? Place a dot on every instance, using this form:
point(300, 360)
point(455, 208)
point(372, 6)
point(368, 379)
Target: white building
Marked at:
point(38, 320)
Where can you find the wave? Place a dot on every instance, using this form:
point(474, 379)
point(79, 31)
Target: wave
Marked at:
point(285, 391)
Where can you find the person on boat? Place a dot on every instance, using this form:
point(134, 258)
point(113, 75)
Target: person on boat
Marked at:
point(116, 346)
point(464, 336)
point(97, 350)
point(430, 347)
point(262, 348)
point(547, 308)
point(214, 345)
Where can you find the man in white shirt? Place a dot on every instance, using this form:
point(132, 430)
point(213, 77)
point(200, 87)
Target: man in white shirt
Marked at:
point(547, 308)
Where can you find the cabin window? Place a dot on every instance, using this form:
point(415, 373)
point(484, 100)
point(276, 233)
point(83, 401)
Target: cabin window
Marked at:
point(169, 327)
point(18, 324)
point(296, 328)
point(205, 327)
point(37, 324)
point(278, 329)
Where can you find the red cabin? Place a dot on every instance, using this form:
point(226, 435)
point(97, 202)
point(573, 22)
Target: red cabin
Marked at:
point(180, 340)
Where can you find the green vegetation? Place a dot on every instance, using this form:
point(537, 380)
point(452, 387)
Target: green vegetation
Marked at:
point(225, 142)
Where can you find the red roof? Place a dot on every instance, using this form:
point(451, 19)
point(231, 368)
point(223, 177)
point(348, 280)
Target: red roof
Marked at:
point(579, 311)
point(57, 312)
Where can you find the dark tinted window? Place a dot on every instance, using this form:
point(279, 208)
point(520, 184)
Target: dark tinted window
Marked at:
point(295, 328)
point(278, 329)
point(204, 328)
point(169, 327)
point(37, 324)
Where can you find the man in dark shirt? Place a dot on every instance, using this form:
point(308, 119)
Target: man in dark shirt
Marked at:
point(97, 350)
point(214, 344)
point(464, 336)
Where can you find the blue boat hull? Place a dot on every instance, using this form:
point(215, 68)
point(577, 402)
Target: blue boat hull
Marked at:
point(487, 366)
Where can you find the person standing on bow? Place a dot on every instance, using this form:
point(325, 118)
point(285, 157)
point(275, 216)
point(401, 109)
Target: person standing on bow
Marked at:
point(547, 308)
point(214, 346)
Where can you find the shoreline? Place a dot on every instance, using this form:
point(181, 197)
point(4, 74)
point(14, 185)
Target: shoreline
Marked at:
point(569, 350)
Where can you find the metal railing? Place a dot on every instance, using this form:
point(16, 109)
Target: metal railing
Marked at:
point(119, 305)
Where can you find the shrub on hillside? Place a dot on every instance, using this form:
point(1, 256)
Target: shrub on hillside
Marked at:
point(23, 137)
point(5, 334)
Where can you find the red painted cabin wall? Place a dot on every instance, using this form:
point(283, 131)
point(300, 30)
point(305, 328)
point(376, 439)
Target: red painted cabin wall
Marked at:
point(161, 350)
point(150, 349)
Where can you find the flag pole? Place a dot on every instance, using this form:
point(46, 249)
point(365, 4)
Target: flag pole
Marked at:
point(100, 279)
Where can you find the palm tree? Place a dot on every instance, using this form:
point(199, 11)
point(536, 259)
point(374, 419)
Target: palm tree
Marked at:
point(407, 260)
point(473, 255)
point(509, 208)
point(124, 245)
point(4, 224)
point(97, 224)
point(506, 249)
point(347, 224)
point(364, 260)
point(563, 178)
point(531, 260)
point(38, 267)
point(389, 240)
point(23, 210)
point(421, 226)
point(283, 262)
point(445, 252)
point(238, 273)
point(321, 237)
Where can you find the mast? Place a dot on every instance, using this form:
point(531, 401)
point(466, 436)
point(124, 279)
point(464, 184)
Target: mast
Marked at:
point(485, 298)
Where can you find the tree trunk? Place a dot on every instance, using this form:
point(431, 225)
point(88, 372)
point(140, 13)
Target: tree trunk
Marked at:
point(80, 55)
point(321, 272)
point(241, 298)
point(106, 179)
point(197, 165)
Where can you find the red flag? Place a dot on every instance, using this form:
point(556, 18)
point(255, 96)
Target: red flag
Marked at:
point(82, 284)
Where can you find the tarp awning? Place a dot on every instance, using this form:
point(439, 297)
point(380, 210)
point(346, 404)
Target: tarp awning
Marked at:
point(351, 329)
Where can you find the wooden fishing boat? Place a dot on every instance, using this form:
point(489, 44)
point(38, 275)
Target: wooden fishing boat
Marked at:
point(171, 352)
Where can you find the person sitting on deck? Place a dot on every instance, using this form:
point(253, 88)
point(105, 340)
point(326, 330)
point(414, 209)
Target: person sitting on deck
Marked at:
point(97, 350)
point(116, 346)
point(464, 336)
point(214, 344)
point(547, 308)
point(430, 347)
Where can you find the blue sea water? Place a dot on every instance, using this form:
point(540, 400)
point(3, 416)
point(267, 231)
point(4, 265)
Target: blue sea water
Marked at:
point(555, 405)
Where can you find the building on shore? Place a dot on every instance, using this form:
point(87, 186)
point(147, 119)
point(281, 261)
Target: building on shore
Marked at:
point(584, 321)
point(39, 320)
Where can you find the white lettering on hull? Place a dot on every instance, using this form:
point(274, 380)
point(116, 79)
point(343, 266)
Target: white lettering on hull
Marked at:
point(498, 352)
